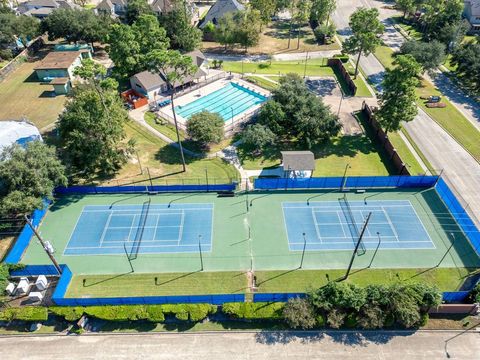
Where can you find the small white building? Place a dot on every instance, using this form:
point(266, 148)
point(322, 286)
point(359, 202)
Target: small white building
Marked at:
point(35, 296)
point(19, 132)
point(10, 288)
point(23, 286)
point(41, 283)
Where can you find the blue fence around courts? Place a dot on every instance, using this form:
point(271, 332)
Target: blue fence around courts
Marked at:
point(455, 297)
point(35, 270)
point(353, 182)
point(59, 298)
point(80, 190)
point(23, 240)
point(460, 214)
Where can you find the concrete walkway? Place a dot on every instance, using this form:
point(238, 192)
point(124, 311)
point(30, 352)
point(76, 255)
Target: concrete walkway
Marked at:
point(345, 345)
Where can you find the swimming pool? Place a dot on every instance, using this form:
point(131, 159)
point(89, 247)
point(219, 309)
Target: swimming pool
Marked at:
point(228, 102)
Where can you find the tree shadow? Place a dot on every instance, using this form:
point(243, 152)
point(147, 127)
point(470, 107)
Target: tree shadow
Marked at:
point(170, 154)
point(348, 338)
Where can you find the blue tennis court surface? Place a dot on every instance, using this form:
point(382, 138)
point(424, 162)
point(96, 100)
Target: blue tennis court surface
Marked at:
point(101, 230)
point(333, 225)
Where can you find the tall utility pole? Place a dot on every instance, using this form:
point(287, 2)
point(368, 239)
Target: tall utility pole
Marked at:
point(50, 255)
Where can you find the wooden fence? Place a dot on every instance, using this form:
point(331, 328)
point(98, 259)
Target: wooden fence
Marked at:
point(384, 141)
point(337, 64)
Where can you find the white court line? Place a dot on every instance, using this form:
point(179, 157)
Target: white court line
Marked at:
point(131, 227)
point(315, 223)
point(180, 231)
point(423, 226)
point(121, 247)
point(71, 233)
point(156, 226)
point(105, 229)
point(145, 227)
point(341, 224)
point(139, 210)
point(391, 224)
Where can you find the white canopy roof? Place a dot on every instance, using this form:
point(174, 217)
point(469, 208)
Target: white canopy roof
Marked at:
point(20, 132)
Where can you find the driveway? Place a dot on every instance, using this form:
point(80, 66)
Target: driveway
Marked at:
point(247, 345)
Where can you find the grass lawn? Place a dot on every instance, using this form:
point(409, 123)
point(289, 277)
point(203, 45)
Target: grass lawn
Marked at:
point(168, 130)
point(402, 149)
point(196, 283)
point(21, 94)
point(274, 40)
point(451, 120)
point(363, 156)
point(362, 89)
point(314, 68)
point(409, 28)
point(385, 55)
point(446, 279)
point(266, 84)
point(164, 164)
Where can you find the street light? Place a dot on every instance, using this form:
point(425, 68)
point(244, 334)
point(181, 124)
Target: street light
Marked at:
point(344, 181)
point(375, 253)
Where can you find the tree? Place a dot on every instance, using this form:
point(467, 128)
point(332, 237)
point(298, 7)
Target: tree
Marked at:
point(321, 11)
point(397, 101)
point(28, 175)
point(225, 32)
point(300, 12)
point(129, 45)
point(324, 32)
point(26, 28)
point(183, 36)
point(256, 137)
point(430, 55)
point(338, 295)
point(466, 59)
point(91, 131)
point(442, 19)
point(407, 6)
point(248, 27)
point(205, 128)
point(266, 9)
point(175, 68)
point(135, 9)
point(294, 112)
point(366, 31)
point(299, 313)
point(76, 25)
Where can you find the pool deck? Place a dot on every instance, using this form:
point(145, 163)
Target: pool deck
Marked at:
point(167, 113)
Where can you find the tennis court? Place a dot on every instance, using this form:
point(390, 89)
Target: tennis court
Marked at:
point(142, 229)
point(336, 225)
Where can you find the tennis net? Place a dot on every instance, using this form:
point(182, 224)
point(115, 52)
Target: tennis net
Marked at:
point(352, 225)
point(141, 227)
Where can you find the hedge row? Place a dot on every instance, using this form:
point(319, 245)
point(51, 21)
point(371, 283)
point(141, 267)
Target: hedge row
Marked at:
point(28, 313)
point(260, 310)
point(153, 313)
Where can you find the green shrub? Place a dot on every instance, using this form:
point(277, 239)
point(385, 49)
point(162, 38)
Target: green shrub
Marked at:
point(27, 313)
point(118, 312)
point(320, 321)
point(155, 313)
point(264, 65)
point(423, 319)
point(350, 321)
point(69, 313)
point(272, 311)
point(191, 312)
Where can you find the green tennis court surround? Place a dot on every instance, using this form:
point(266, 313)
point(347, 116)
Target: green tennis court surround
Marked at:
point(252, 232)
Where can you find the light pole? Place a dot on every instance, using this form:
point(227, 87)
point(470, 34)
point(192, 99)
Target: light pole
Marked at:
point(200, 251)
point(344, 181)
point(341, 98)
point(303, 252)
point(375, 253)
point(305, 68)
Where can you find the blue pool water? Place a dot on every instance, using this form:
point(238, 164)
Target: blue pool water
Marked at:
point(230, 98)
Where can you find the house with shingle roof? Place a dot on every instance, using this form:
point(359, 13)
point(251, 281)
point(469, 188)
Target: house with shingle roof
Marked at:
point(42, 8)
point(220, 9)
point(112, 7)
point(472, 14)
point(151, 84)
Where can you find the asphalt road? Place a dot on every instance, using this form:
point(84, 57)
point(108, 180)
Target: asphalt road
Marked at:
point(233, 346)
point(460, 169)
